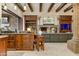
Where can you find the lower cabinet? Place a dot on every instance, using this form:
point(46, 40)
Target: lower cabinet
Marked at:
point(28, 42)
point(11, 42)
point(24, 42)
point(19, 42)
point(3, 46)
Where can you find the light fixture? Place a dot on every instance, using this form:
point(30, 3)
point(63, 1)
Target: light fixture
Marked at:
point(25, 7)
point(15, 7)
point(28, 29)
point(5, 7)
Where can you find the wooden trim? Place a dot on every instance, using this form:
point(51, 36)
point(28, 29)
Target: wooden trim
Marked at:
point(68, 8)
point(60, 7)
point(30, 7)
point(51, 6)
point(19, 6)
point(40, 7)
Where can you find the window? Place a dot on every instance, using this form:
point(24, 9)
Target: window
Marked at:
point(5, 20)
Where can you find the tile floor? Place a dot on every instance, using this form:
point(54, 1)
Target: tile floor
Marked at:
point(51, 49)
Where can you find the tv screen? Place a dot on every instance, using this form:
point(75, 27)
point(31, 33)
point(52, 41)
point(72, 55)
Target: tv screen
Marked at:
point(65, 26)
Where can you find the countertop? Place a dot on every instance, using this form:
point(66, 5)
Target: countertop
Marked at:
point(57, 33)
point(30, 33)
point(12, 33)
point(3, 36)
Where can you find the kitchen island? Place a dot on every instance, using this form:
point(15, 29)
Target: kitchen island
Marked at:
point(57, 37)
point(19, 41)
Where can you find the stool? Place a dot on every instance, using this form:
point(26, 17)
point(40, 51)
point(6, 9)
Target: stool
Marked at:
point(39, 42)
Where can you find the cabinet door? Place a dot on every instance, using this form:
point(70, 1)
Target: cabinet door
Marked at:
point(11, 42)
point(18, 42)
point(28, 42)
point(3, 46)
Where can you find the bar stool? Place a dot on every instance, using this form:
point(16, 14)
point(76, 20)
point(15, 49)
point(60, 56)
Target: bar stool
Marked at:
point(39, 42)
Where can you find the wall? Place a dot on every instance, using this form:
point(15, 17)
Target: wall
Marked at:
point(10, 6)
point(45, 13)
point(14, 21)
point(0, 14)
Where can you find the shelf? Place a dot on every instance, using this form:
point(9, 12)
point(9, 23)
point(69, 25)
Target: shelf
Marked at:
point(31, 22)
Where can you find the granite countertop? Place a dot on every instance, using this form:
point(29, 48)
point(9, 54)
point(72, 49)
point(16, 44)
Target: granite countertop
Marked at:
point(3, 36)
point(12, 33)
point(57, 33)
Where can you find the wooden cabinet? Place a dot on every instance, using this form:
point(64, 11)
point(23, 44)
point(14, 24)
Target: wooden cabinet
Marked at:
point(65, 23)
point(31, 21)
point(28, 42)
point(3, 46)
point(24, 42)
point(11, 42)
point(30, 17)
point(19, 42)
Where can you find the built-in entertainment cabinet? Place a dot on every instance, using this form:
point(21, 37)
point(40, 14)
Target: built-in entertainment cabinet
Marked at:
point(65, 22)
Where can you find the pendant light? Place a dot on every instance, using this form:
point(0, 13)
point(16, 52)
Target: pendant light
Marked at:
point(15, 7)
point(25, 7)
point(5, 7)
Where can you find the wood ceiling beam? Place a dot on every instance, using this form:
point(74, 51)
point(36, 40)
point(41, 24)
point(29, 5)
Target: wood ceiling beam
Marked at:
point(68, 8)
point(30, 6)
point(40, 7)
point(51, 6)
point(60, 7)
point(20, 6)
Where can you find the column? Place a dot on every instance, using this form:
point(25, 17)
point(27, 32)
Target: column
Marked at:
point(73, 44)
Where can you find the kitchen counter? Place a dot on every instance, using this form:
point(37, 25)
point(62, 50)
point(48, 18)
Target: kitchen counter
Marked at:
point(3, 36)
point(57, 33)
point(12, 33)
point(57, 37)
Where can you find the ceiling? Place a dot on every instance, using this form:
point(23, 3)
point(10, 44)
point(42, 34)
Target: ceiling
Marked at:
point(46, 9)
point(35, 7)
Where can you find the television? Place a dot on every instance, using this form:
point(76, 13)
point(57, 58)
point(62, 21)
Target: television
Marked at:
point(65, 26)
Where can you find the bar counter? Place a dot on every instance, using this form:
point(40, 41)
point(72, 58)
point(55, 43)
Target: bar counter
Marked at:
point(57, 37)
point(49, 37)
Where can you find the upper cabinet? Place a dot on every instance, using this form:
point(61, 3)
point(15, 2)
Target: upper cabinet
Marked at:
point(30, 17)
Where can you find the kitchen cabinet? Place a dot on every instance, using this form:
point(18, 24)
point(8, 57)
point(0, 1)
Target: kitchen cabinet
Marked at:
point(19, 42)
point(28, 42)
point(24, 42)
point(3, 45)
point(31, 21)
point(11, 42)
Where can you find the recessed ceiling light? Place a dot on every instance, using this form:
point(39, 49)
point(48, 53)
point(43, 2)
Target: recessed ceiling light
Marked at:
point(15, 7)
point(5, 7)
point(25, 7)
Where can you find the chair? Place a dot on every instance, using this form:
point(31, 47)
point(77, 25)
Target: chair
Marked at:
point(39, 42)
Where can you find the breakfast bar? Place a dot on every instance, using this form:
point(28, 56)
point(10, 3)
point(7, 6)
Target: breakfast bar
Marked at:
point(57, 37)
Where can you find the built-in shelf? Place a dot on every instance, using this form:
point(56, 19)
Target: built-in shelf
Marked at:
point(31, 22)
